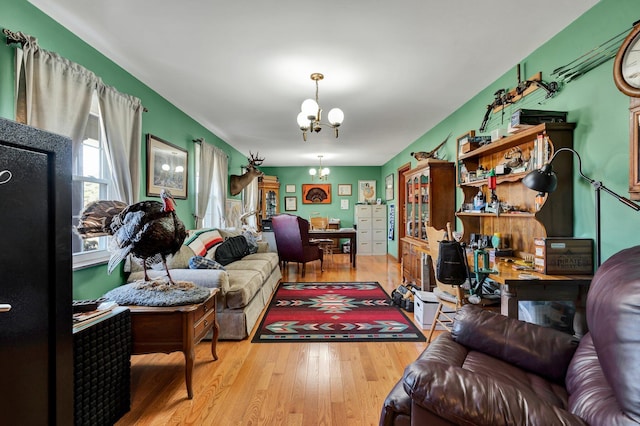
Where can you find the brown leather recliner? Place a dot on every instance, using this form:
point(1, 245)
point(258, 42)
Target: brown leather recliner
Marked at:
point(493, 370)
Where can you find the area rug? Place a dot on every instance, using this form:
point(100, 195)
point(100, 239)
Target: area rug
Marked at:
point(334, 312)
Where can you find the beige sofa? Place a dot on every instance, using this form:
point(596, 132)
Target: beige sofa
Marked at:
point(246, 285)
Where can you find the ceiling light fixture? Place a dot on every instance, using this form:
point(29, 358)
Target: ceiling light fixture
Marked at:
point(323, 173)
point(310, 115)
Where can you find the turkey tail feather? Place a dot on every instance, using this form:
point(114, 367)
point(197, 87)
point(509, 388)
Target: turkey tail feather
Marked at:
point(95, 219)
point(117, 256)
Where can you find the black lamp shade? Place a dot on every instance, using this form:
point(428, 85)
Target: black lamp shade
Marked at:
point(541, 180)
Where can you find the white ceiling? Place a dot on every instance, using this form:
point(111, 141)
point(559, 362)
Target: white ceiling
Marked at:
point(241, 68)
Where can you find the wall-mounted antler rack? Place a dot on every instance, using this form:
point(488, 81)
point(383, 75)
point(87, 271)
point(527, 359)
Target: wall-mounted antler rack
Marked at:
point(506, 97)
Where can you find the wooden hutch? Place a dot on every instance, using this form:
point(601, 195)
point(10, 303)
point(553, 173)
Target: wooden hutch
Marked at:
point(551, 216)
point(269, 198)
point(429, 201)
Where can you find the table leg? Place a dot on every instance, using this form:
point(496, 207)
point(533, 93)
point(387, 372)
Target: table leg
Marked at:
point(189, 357)
point(508, 302)
point(353, 251)
point(214, 339)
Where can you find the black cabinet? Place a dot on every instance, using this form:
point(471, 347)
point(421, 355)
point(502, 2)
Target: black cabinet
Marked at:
point(36, 349)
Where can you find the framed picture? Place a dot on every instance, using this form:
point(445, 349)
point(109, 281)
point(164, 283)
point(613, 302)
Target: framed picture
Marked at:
point(166, 168)
point(290, 204)
point(344, 189)
point(388, 187)
point(290, 188)
point(316, 193)
point(366, 191)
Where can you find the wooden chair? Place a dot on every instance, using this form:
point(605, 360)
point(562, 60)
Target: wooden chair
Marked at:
point(326, 244)
point(450, 297)
point(292, 240)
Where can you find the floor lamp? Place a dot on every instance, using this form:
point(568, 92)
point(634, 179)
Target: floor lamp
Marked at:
point(545, 180)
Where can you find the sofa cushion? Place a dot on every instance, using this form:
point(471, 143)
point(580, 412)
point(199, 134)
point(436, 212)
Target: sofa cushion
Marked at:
point(263, 263)
point(243, 286)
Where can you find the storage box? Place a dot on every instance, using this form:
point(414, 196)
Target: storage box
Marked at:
point(563, 256)
point(424, 309)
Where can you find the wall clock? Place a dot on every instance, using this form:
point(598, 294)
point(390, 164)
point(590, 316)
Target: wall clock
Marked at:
point(626, 68)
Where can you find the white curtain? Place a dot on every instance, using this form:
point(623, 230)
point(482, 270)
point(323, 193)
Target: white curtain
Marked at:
point(250, 196)
point(54, 94)
point(212, 164)
point(122, 117)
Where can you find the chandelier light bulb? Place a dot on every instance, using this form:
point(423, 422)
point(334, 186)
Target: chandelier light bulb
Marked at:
point(325, 171)
point(312, 172)
point(336, 117)
point(310, 109)
point(303, 121)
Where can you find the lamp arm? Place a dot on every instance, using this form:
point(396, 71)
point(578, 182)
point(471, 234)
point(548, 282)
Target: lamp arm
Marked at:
point(597, 184)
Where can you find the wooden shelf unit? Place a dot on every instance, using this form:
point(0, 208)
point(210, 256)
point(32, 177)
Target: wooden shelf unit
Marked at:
point(555, 216)
point(430, 201)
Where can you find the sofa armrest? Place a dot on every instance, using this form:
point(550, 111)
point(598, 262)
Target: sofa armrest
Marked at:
point(210, 278)
point(540, 350)
point(464, 397)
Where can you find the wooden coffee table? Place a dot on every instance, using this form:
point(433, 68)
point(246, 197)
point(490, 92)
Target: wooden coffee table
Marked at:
point(175, 328)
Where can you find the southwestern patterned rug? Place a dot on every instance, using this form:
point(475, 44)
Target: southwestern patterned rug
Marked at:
point(334, 312)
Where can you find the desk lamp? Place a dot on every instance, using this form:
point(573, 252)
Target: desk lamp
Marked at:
point(545, 180)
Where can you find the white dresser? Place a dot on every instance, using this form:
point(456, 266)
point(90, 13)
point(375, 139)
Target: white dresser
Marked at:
point(371, 221)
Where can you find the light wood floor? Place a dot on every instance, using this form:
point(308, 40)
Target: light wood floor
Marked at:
point(277, 383)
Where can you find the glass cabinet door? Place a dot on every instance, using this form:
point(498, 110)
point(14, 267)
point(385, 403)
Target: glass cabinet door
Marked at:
point(270, 206)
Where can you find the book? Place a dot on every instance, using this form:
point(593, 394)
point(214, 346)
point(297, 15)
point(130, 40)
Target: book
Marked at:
point(82, 318)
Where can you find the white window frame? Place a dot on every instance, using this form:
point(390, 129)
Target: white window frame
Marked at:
point(90, 258)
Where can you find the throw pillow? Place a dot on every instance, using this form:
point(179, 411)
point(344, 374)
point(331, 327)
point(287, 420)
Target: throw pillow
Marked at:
point(199, 262)
point(252, 241)
point(232, 249)
point(202, 240)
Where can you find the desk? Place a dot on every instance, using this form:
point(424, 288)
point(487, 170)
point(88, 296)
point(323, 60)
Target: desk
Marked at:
point(546, 288)
point(175, 328)
point(349, 233)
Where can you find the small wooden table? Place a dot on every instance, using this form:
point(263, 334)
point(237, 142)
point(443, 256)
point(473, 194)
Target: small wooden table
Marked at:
point(175, 328)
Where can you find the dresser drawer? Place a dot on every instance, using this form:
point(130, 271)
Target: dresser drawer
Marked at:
point(202, 326)
point(204, 309)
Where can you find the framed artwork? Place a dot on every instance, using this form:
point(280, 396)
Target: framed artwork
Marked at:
point(316, 193)
point(166, 168)
point(290, 188)
point(366, 191)
point(290, 204)
point(388, 187)
point(344, 189)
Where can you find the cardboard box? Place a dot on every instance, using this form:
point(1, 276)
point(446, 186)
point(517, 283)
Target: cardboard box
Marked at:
point(424, 309)
point(563, 256)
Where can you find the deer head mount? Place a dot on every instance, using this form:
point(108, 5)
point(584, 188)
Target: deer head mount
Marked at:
point(237, 183)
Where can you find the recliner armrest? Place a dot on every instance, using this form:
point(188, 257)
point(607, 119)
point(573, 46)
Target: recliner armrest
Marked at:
point(540, 350)
point(464, 397)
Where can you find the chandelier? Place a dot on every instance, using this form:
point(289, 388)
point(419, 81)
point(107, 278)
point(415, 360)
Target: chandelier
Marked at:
point(322, 173)
point(310, 115)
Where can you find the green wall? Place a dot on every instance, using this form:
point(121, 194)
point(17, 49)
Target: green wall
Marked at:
point(339, 175)
point(163, 119)
point(593, 102)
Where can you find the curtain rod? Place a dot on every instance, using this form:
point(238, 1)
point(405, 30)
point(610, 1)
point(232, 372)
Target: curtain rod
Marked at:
point(13, 38)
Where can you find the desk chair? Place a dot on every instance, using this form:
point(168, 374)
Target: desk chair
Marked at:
point(326, 244)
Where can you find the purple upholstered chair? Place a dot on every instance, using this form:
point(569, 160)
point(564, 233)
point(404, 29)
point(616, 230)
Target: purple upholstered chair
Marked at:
point(292, 240)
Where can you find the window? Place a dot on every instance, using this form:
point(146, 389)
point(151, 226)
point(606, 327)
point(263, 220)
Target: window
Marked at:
point(91, 182)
